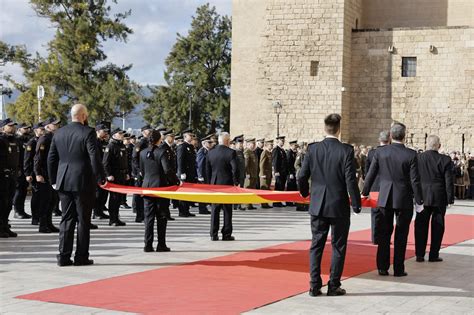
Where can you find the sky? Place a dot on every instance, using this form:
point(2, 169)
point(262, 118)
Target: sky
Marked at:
point(154, 22)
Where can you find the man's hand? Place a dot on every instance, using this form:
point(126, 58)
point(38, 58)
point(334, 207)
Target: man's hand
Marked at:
point(183, 177)
point(263, 176)
point(110, 178)
point(29, 179)
point(201, 179)
point(247, 176)
point(292, 176)
point(39, 179)
point(277, 174)
point(357, 209)
point(364, 197)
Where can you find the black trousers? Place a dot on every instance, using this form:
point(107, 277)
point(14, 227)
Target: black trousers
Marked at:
point(156, 208)
point(137, 202)
point(115, 200)
point(35, 202)
point(339, 233)
point(6, 200)
point(291, 185)
point(76, 209)
point(422, 223)
point(375, 222)
point(215, 219)
point(100, 200)
point(45, 203)
point(20, 194)
point(280, 184)
point(402, 226)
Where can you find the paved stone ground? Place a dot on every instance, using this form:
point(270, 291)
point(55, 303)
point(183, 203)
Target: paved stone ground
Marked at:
point(27, 264)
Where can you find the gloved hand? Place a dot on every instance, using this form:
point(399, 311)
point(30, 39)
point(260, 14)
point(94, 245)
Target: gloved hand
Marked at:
point(183, 176)
point(356, 209)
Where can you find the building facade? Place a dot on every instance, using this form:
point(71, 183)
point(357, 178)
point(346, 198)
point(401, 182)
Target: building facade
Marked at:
point(373, 61)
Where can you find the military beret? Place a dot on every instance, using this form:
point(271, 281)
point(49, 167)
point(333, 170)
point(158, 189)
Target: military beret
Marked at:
point(280, 138)
point(51, 121)
point(7, 122)
point(146, 127)
point(24, 125)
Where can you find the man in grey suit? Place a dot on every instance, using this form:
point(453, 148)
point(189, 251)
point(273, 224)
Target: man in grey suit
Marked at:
point(74, 170)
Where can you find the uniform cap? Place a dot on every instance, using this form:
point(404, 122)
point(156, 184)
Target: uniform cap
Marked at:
point(168, 133)
point(117, 130)
point(187, 131)
point(38, 125)
point(294, 142)
point(146, 127)
point(7, 122)
point(51, 121)
point(24, 125)
point(261, 140)
point(280, 138)
point(102, 126)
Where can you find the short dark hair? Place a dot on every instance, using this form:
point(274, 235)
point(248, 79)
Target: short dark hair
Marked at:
point(154, 137)
point(332, 124)
point(398, 131)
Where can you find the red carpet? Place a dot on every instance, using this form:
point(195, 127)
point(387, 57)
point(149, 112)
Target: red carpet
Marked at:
point(230, 284)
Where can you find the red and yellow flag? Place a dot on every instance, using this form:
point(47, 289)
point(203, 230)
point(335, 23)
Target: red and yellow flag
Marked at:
point(221, 194)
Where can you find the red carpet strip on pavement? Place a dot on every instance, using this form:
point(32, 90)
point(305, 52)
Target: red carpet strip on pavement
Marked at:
point(230, 284)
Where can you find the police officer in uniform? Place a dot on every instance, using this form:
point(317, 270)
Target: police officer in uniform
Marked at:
point(102, 132)
point(137, 203)
point(291, 184)
point(186, 156)
point(24, 134)
point(201, 158)
point(116, 171)
point(302, 147)
point(239, 150)
point(158, 167)
point(265, 165)
point(258, 152)
point(280, 167)
point(28, 169)
point(47, 195)
point(10, 170)
point(251, 168)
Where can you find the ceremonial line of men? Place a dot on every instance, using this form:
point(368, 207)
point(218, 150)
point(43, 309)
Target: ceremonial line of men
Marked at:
point(76, 158)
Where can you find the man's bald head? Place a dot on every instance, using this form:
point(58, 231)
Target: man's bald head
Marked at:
point(79, 113)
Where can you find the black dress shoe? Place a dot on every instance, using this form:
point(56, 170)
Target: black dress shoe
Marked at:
point(83, 262)
point(21, 215)
point(191, 214)
point(139, 220)
point(64, 262)
point(214, 238)
point(400, 274)
point(420, 259)
point(93, 226)
point(53, 228)
point(44, 229)
point(3, 234)
point(34, 222)
point(228, 238)
point(336, 292)
point(383, 272)
point(117, 223)
point(164, 248)
point(278, 205)
point(266, 207)
point(148, 249)
point(315, 292)
point(204, 212)
point(437, 259)
point(170, 219)
point(11, 233)
point(100, 216)
point(251, 208)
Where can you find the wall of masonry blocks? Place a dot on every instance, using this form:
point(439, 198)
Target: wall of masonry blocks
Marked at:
point(439, 100)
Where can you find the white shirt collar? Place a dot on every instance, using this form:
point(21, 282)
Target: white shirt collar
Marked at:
point(329, 136)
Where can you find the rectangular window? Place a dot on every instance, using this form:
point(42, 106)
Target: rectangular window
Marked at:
point(313, 71)
point(408, 66)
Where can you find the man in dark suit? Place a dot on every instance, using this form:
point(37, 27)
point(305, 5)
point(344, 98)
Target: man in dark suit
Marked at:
point(384, 139)
point(280, 167)
point(74, 170)
point(186, 157)
point(397, 169)
point(222, 169)
point(331, 167)
point(436, 174)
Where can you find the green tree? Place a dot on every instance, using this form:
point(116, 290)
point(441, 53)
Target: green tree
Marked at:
point(75, 69)
point(202, 57)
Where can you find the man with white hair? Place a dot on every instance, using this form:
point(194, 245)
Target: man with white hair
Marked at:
point(436, 176)
point(222, 169)
point(74, 170)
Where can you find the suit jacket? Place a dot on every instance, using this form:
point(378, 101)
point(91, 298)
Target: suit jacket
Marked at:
point(397, 167)
point(222, 166)
point(40, 160)
point(201, 164)
point(368, 162)
point(139, 147)
point(73, 159)
point(436, 176)
point(159, 168)
point(331, 167)
point(186, 155)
